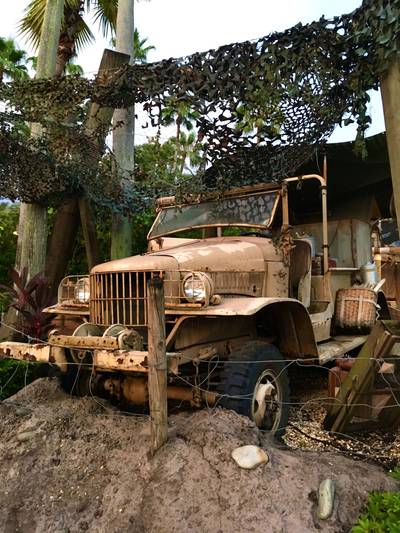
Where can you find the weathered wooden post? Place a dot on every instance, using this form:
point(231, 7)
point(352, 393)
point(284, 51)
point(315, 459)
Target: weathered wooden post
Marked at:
point(390, 91)
point(157, 364)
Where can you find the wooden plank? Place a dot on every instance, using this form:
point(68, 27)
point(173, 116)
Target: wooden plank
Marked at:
point(360, 380)
point(338, 346)
point(157, 364)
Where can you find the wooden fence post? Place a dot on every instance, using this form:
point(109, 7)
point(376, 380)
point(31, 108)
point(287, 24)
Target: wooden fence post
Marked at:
point(390, 91)
point(157, 364)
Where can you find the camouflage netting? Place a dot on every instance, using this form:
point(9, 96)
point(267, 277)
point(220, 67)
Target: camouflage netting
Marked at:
point(262, 107)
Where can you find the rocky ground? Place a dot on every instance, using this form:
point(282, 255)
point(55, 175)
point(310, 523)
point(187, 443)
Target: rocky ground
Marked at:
point(70, 465)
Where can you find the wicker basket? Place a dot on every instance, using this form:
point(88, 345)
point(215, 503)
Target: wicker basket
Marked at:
point(355, 308)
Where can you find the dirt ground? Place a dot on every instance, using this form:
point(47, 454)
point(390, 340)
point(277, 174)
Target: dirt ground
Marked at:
point(70, 465)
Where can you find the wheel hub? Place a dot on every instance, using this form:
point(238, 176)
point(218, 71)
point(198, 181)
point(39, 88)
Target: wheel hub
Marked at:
point(265, 401)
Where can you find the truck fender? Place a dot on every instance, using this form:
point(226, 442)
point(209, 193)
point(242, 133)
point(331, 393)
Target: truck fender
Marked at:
point(292, 324)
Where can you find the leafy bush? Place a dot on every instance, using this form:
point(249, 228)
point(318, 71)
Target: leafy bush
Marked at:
point(14, 375)
point(395, 473)
point(29, 298)
point(382, 514)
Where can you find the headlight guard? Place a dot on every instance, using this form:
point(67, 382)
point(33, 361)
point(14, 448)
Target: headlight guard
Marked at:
point(82, 291)
point(197, 288)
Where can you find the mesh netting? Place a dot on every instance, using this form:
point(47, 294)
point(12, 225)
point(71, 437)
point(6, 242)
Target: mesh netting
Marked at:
point(261, 109)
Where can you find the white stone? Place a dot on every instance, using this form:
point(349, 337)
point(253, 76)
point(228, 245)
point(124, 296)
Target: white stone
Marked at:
point(249, 456)
point(326, 498)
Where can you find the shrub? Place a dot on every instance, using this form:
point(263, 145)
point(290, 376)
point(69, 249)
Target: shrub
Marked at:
point(382, 514)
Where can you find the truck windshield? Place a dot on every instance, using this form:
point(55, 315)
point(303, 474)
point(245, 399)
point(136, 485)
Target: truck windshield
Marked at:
point(254, 210)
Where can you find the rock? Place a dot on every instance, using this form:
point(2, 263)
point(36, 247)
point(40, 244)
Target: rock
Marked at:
point(326, 498)
point(22, 411)
point(25, 436)
point(249, 456)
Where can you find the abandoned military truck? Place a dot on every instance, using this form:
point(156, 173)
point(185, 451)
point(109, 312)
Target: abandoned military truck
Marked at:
point(251, 281)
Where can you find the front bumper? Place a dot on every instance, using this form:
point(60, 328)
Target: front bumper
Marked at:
point(106, 354)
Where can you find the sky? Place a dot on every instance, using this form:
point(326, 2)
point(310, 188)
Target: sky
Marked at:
point(182, 27)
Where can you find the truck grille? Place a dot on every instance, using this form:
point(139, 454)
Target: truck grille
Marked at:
point(119, 298)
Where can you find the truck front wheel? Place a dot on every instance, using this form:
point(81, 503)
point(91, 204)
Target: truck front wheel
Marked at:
point(255, 383)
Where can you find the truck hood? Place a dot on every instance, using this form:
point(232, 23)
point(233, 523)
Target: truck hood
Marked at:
point(214, 254)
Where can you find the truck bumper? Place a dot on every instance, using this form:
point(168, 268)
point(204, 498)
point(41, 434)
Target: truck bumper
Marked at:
point(107, 357)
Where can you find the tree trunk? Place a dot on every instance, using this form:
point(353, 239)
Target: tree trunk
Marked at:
point(33, 235)
point(32, 228)
point(124, 135)
point(61, 243)
point(65, 229)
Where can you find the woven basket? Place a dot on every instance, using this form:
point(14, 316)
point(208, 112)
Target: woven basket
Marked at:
point(355, 308)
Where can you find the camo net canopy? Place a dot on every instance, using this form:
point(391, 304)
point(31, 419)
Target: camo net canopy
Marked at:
point(261, 109)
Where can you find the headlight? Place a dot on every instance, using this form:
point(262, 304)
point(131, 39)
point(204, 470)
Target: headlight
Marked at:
point(82, 291)
point(197, 287)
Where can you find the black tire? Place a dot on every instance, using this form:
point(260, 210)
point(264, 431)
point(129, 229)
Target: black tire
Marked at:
point(257, 363)
point(76, 380)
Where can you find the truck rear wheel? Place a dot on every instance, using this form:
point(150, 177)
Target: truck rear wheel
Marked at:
point(255, 383)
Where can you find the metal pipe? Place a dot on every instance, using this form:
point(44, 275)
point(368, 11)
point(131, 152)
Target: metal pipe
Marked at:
point(135, 391)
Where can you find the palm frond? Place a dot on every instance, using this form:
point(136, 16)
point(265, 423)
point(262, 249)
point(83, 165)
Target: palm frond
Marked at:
point(31, 24)
point(105, 14)
point(83, 36)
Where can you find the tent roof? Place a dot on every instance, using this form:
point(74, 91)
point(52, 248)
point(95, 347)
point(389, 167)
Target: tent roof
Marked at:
point(350, 174)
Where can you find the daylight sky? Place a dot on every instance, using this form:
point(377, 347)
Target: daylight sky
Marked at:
point(180, 27)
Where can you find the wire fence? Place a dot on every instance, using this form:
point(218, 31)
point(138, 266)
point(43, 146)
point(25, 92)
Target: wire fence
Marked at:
point(302, 421)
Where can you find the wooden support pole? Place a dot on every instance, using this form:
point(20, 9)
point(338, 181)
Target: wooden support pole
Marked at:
point(390, 91)
point(157, 364)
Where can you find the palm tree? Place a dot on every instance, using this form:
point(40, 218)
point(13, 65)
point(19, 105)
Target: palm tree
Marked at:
point(180, 114)
point(75, 33)
point(140, 50)
point(12, 61)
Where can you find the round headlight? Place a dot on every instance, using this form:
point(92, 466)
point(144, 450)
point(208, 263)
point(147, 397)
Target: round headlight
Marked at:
point(82, 291)
point(197, 287)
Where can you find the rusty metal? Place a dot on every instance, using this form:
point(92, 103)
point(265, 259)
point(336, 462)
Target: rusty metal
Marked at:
point(129, 361)
point(84, 343)
point(135, 390)
point(34, 353)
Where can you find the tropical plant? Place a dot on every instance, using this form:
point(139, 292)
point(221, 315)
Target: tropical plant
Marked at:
point(140, 48)
point(12, 61)
point(180, 114)
point(75, 33)
point(29, 298)
point(9, 214)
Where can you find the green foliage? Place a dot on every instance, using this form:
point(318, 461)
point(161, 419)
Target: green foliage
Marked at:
point(382, 514)
point(395, 473)
point(12, 61)
point(103, 11)
point(140, 48)
point(14, 375)
point(9, 214)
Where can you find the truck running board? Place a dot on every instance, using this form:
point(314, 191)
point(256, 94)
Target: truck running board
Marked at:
point(338, 346)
